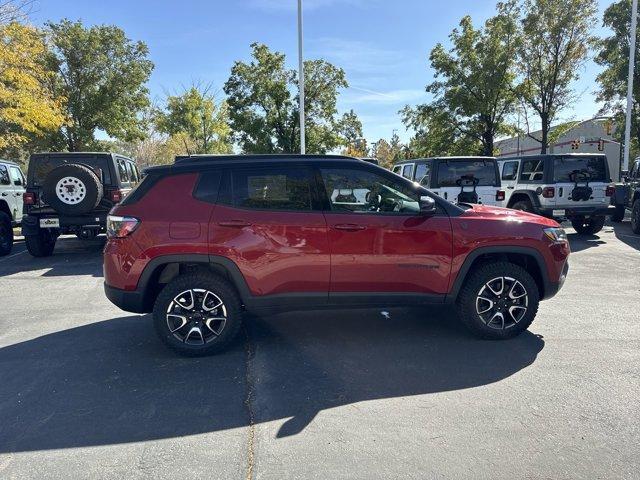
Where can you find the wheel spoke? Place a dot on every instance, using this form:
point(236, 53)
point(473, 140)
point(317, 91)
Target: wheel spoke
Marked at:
point(186, 300)
point(212, 297)
point(182, 318)
point(209, 321)
point(493, 290)
point(193, 332)
point(497, 315)
point(512, 295)
point(520, 308)
point(484, 299)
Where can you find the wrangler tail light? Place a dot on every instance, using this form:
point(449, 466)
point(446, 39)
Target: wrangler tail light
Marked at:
point(29, 198)
point(120, 227)
point(115, 195)
point(610, 191)
point(548, 192)
point(500, 195)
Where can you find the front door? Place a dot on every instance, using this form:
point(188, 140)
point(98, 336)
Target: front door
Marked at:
point(18, 183)
point(380, 243)
point(509, 177)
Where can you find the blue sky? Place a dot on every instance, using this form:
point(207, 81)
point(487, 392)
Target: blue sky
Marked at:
point(382, 45)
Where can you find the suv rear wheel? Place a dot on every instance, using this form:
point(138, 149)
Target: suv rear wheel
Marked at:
point(197, 314)
point(42, 244)
point(499, 300)
point(587, 226)
point(635, 216)
point(524, 205)
point(6, 234)
point(618, 216)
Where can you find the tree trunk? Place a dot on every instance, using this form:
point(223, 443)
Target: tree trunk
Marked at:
point(544, 118)
point(487, 144)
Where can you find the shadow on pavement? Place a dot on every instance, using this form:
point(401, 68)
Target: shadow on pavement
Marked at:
point(112, 382)
point(624, 233)
point(71, 256)
point(583, 242)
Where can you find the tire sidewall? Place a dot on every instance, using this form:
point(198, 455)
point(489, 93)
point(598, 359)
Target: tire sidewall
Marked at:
point(6, 234)
point(635, 217)
point(90, 180)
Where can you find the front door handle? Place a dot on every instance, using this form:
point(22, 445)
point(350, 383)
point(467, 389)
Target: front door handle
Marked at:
point(234, 223)
point(350, 227)
point(511, 187)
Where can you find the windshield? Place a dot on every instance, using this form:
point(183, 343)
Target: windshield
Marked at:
point(594, 167)
point(39, 167)
point(449, 172)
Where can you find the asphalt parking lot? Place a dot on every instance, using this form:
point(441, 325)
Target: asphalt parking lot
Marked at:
point(87, 391)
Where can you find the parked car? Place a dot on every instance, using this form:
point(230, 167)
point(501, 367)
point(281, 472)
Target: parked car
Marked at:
point(71, 193)
point(205, 239)
point(627, 197)
point(12, 183)
point(457, 179)
point(576, 187)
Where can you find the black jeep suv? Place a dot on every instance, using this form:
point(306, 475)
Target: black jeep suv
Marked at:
point(71, 193)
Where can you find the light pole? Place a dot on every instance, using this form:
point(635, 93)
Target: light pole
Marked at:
point(301, 79)
point(632, 56)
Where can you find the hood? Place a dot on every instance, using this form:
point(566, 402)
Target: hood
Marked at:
point(507, 214)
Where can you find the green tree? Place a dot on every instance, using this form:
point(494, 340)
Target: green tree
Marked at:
point(263, 104)
point(102, 76)
point(28, 109)
point(555, 40)
point(473, 86)
point(197, 120)
point(613, 55)
point(350, 130)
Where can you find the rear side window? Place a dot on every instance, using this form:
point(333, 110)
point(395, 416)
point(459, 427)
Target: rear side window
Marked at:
point(122, 171)
point(4, 175)
point(450, 172)
point(407, 171)
point(422, 173)
point(532, 170)
point(594, 167)
point(273, 188)
point(510, 171)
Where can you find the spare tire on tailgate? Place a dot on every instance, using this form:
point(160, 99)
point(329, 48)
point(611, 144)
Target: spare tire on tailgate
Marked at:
point(72, 189)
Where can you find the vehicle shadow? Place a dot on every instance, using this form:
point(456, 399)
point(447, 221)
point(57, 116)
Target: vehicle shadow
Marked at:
point(71, 256)
point(112, 382)
point(624, 233)
point(583, 242)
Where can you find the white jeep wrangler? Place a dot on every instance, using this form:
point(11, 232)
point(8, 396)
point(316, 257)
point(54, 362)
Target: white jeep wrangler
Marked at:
point(12, 183)
point(574, 187)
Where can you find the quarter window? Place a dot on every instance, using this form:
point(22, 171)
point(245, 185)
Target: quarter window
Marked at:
point(273, 188)
point(422, 174)
point(361, 191)
point(510, 171)
point(407, 171)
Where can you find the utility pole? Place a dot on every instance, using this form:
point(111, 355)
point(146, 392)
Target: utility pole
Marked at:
point(632, 56)
point(301, 79)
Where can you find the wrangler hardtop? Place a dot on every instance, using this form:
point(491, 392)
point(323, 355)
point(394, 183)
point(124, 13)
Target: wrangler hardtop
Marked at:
point(565, 186)
point(71, 193)
point(458, 179)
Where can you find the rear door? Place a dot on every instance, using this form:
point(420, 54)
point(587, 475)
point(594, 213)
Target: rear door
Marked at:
point(269, 222)
point(380, 243)
point(509, 177)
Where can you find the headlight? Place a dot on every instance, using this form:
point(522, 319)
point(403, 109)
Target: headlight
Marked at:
point(556, 235)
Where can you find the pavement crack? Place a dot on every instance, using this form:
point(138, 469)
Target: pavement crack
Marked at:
point(248, 402)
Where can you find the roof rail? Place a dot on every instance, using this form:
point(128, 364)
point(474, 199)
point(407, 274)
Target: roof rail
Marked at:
point(182, 159)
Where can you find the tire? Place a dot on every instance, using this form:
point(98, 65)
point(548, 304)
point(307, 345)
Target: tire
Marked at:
point(488, 324)
point(6, 234)
point(181, 337)
point(635, 216)
point(42, 244)
point(618, 216)
point(524, 205)
point(72, 189)
point(588, 226)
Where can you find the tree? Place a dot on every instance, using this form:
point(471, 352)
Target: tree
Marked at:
point(102, 76)
point(473, 86)
point(263, 104)
point(613, 55)
point(350, 130)
point(390, 152)
point(196, 118)
point(555, 38)
point(28, 109)
point(14, 10)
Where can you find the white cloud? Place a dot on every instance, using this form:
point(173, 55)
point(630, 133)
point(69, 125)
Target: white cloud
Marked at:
point(354, 55)
point(389, 97)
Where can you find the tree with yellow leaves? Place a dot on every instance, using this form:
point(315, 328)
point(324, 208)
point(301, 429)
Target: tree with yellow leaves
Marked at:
point(28, 109)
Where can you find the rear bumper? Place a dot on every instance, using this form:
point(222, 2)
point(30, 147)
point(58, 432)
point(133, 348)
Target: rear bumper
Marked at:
point(587, 211)
point(31, 223)
point(130, 301)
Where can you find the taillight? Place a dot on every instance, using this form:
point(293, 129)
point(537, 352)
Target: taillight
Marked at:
point(120, 227)
point(548, 192)
point(29, 198)
point(500, 195)
point(610, 191)
point(115, 195)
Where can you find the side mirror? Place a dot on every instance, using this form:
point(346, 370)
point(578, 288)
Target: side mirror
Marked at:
point(427, 205)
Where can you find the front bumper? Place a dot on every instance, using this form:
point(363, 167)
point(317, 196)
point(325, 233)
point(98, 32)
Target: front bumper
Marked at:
point(127, 300)
point(552, 288)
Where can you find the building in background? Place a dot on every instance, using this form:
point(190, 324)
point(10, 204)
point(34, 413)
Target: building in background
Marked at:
point(589, 136)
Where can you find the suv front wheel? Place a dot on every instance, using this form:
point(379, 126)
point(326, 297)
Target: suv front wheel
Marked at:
point(499, 300)
point(41, 244)
point(197, 314)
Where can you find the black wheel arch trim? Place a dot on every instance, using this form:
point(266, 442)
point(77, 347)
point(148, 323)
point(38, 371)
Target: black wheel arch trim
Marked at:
point(549, 288)
point(533, 198)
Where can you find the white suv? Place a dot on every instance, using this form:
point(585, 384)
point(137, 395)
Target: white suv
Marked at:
point(12, 183)
point(575, 187)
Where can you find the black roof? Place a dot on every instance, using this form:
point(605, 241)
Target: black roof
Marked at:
point(73, 154)
point(452, 157)
point(8, 162)
point(554, 155)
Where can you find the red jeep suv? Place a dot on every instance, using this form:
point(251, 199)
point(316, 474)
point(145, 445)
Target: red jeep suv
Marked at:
point(205, 239)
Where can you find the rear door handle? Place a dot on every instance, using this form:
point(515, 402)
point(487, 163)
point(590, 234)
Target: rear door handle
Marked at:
point(234, 223)
point(350, 227)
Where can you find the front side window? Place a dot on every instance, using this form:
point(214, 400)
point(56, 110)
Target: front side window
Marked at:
point(422, 174)
point(510, 171)
point(122, 170)
point(450, 172)
point(407, 171)
point(532, 170)
point(570, 169)
point(133, 174)
point(360, 191)
point(273, 188)
point(4, 175)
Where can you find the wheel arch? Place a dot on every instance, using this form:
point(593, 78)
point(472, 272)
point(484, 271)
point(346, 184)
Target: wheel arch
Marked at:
point(526, 257)
point(4, 207)
point(519, 195)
